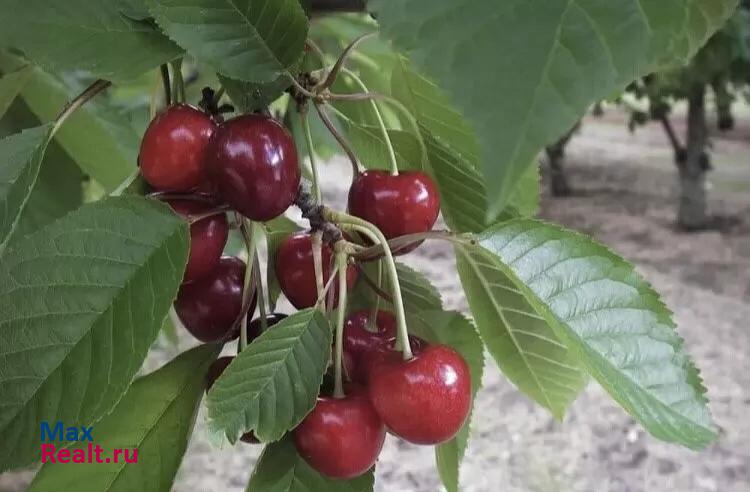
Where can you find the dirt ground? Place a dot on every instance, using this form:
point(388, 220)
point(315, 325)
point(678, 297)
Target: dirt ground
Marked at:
point(625, 196)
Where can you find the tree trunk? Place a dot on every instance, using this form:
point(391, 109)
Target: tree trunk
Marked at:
point(692, 209)
point(555, 159)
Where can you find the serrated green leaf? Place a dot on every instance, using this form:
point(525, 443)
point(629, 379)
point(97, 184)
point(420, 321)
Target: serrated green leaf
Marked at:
point(10, 85)
point(453, 329)
point(272, 384)
point(574, 53)
point(612, 321)
point(277, 230)
point(81, 301)
point(281, 469)
point(520, 340)
point(155, 418)
point(97, 137)
point(452, 154)
point(20, 158)
point(88, 35)
point(251, 40)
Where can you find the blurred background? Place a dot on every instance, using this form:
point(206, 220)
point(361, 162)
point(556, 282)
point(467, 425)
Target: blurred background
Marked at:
point(660, 173)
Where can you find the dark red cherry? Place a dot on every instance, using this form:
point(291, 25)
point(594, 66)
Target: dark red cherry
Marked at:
point(424, 400)
point(341, 438)
point(252, 161)
point(255, 328)
point(209, 306)
point(359, 342)
point(207, 237)
point(216, 369)
point(404, 204)
point(173, 148)
point(295, 270)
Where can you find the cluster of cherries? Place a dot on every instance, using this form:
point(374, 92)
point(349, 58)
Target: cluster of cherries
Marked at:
point(202, 168)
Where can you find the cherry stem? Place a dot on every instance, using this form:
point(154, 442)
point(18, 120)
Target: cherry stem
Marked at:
point(166, 83)
point(331, 78)
point(321, 56)
point(126, 182)
point(376, 236)
point(81, 99)
point(397, 243)
point(372, 319)
point(339, 138)
point(320, 303)
point(381, 123)
point(317, 252)
point(251, 245)
point(374, 286)
point(311, 154)
point(178, 82)
point(341, 260)
point(260, 291)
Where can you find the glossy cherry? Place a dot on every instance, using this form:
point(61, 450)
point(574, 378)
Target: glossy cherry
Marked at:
point(216, 369)
point(362, 364)
point(207, 238)
point(252, 162)
point(406, 203)
point(295, 270)
point(173, 148)
point(341, 438)
point(209, 306)
point(424, 400)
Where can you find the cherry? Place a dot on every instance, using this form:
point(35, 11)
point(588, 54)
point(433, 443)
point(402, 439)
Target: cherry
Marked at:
point(252, 161)
point(207, 238)
point(255, 328)
point(342, 437)
point(401, 204)
point(209, 306)
point(359, 342)
point(361, 366)
point(173, 148)
point(216, 370)
point(295, 270)
point(423, 400)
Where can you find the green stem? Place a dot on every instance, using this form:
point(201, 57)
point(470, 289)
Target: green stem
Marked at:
point(317, 252)
point(372, 320)
point(311, 153)
point(126, 182)
point(321, 302)
point(339, 138)
point(251, 245)
point(166, 82)
point(81, 99)
point(260, 291)
point(179, 83)
point(338, 391)
point(398, 303)
point(379, 118)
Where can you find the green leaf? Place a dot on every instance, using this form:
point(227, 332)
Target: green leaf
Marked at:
point(281, 469)
point(613, 322)
point(20, 157)
point(252, 96)
point(517, 336)
point(10, 85)
point(97, 137)
point(277, 230)
point(155, 417)
point(81, 301)
point(453, 329)
point(87, 35)
point(252, 40)
point(574, 53)
point(452, 154)
point(272, 384)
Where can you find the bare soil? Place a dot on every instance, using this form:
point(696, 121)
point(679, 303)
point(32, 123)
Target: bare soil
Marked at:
point(625, 196)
